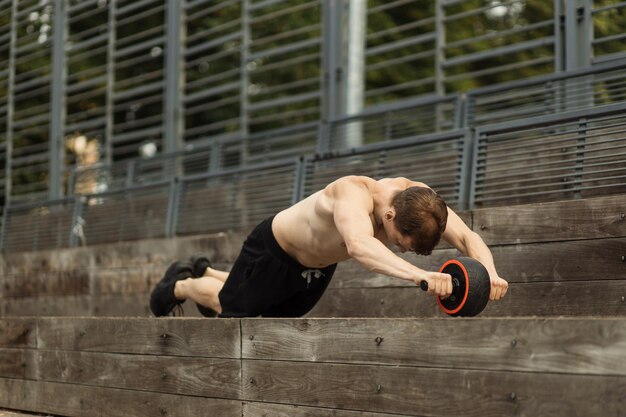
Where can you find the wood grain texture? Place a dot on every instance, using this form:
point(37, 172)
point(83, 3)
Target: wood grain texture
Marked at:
point(575, 298)
point(84, 401)
point(433, 392)
point(579, 346)
point(532, 262)
point(255, 409)
point(165, 336)
point(18, 363)
point(204, 377)
point(549, 222)
point(18, 332)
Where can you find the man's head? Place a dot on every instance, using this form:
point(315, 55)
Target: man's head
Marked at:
point(419, 215)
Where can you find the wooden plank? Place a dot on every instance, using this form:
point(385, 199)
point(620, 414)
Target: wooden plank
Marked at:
point(204, 377)
point(74, 305)
point(532, 262)
point(254, 409)
point(433, 392)
point(164, 336)
point(107, 305)
point(548, 222)
point(590, 260)
point(69, 282)
point(18, 332)
point(583, 298)
point(593, 346)
point(577, 298)
point(84, 401)
point(350, 274)
point(376, 302)
point(18, 363)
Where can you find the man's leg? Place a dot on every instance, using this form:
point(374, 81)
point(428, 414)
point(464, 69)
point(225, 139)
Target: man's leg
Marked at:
point(214, 273)
point(203, 291)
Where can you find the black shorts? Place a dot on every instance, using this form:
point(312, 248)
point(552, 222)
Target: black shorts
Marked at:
point(266, 281)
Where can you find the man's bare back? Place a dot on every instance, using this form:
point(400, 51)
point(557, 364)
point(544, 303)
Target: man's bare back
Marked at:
point(307, 230)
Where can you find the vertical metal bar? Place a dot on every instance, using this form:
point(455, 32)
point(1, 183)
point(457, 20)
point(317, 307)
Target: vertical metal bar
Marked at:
point(558, 36)
point(588, 30)
point(244, 79)
point(468, 112)
point(466, 170)
point(71, 183)
point(171, 220)
point(57, 102)
point(459, 111)
point(478, 137)
point(354, 84)
point(580, 156)
point(76, 227)
point(215, 163)
point(174, 77)
point(10, 107)
point(5, 216)
point(110, 103)
point(244, 104)
point(298, 184)
point(130, 173)
point(440, 43)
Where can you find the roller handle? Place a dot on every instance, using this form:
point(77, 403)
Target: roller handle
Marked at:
point(424, 285)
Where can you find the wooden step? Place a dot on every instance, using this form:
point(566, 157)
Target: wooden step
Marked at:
point(561, 258)
point(313, 367)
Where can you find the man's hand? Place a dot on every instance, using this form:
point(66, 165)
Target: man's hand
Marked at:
point(499, 287)
point(438, 283)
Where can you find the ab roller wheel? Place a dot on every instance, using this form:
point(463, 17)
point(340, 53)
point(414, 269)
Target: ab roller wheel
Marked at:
point(470, 287)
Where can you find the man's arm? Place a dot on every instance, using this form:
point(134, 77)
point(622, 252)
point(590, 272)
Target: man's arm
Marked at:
point(469, 243)
point(352, 205)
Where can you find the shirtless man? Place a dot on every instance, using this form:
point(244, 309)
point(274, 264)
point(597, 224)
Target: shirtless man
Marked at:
point(288, 260)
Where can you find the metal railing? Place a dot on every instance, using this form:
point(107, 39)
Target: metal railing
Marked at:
point(439, 160)
point(385, 123)
point(127, 76)
point(573, 155)
point(549, 94)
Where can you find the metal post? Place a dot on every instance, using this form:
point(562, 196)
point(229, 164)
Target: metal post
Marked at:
point(577, 46)
point(174, 77)
point(558, 36)
point(57, 102)
point(298, 185)
point(77, 231)
point(244, 104)
point(5, 217)
point(580, 156)
point(577, 51)
point(355, 69)
point(130, 173)
point(333, 41)
point(172, 208)
point(466, 170)
point(110, 105)
point(8, 181)
point(440, 41)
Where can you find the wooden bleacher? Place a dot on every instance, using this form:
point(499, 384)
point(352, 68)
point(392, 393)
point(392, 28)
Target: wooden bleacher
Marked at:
point(555, 345)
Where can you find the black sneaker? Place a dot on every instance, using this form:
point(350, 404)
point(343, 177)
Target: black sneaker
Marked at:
point(199, 265)
point(162, 299)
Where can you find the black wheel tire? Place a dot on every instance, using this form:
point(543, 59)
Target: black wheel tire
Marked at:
point(471, 287)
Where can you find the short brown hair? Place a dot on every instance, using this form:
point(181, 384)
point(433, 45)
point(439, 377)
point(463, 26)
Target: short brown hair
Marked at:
point(421, 214)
